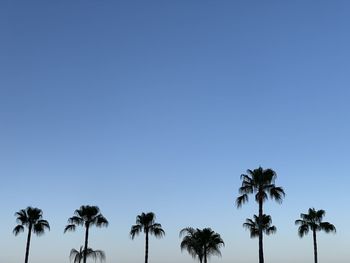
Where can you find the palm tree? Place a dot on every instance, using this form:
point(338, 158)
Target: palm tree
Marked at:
point(32, 219)
point(260, 182)
point(201, 243)
point(253, 225)
point(86, 216)
point(313, 221)
point(191, 243)
point(146, 223)
point(77, 256)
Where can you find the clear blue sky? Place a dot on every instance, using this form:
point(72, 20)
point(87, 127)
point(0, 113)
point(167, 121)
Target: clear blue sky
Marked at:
point(160, 106)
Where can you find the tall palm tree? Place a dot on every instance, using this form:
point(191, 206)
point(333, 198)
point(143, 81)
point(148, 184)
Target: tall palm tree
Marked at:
point(253, 225)
point(313, 221)
point(146, 223)
point(201, 243)
point(32, 219)
point(77, 256)
point(260, 182)
point(86, 216)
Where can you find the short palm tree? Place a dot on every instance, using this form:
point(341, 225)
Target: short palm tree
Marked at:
point(191, 243)
point(86, 216)
point(77, 256)
point(146, 223)
point(313, 221)
point(201, 243)
point(253, 225)
point(260, 182)
point(32, 219)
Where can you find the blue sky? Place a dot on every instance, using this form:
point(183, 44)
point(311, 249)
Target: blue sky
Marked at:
point(160, 106)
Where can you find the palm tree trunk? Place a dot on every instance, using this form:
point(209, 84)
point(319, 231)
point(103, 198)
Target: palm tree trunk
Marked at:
point(315, 245)
point(261, 249)
point(146, 248)
point(28, 243)
point(86, 242)
point(205, 255)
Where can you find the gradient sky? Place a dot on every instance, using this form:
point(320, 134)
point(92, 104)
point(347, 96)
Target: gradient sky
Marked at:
point(160, 106)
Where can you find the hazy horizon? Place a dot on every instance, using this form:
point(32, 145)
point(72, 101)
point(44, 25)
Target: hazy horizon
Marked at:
point(160, 106)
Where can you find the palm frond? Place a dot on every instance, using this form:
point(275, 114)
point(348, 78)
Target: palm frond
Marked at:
point(69, 228)
point(135, 230)
point(40, 226)
point(187, 231)
point(303, 230)
point(18, 229)
point(277, 193)
point(76, 220)
point(100, 221)
point(271, 230)
point(327, 227)
point(22, 217)
point(157, 231)
point(241, 200)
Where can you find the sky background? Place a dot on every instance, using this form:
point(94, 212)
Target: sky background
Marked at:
point(161, 106)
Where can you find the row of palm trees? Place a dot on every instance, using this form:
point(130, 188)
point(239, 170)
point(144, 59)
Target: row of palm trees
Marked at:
point(199, 243)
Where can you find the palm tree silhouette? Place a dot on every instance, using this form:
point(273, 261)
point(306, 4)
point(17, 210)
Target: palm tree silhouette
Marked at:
point(201, 243)
point(32, 219)
point(77, 256)
point(86, 216)
point(146, 223)
point(253, 225)
point(313, 221)
point(260, 182)
point(191, 243)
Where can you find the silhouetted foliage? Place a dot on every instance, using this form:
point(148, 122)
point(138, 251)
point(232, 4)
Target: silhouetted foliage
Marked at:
point(77, 256)
point(146, 223)
point(86, 216)
point(253, 225)
point(201, 244)
point(32, 219)
point(260, 182)
point(313, 221)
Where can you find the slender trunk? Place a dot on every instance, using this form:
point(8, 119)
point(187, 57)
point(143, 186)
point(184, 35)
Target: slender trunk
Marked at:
point(28, 243)
point(205, 254)
point(315, 245)
point(86, 242)
point(146, 247)
point(261, 247)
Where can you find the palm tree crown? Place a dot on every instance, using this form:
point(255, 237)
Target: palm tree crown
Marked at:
point(260, 182)
point(32, 219)
point(146, 223)
point(86, 216)
point(201, 243)
point(77, 256)
point(313, 221)
point(253, 225)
